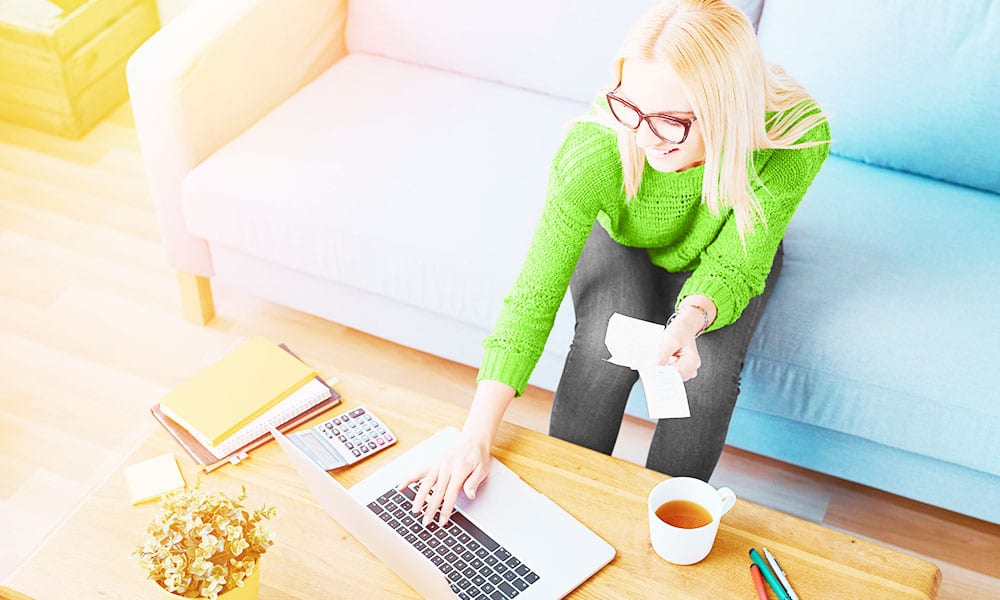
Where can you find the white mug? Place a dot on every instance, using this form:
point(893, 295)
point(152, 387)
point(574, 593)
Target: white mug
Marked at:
point(687, 546)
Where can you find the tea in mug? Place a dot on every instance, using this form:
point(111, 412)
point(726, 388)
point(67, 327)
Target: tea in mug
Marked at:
point(684, 514)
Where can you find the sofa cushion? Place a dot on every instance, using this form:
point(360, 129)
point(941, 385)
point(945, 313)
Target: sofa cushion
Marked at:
point(413, 183)
point(559, 47)
point(884, 322)
point(912, 86)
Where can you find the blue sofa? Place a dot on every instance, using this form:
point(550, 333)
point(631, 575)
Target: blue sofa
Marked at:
point(875, 360)
point(871, 362)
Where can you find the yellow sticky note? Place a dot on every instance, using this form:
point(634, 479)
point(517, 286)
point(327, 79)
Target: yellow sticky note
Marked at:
point(152, 478)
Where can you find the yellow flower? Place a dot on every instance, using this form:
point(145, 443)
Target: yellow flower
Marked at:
point(238, 546)
point(200, 567)
point(204, 543)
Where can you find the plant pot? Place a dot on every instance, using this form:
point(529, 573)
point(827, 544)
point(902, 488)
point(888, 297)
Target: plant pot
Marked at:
point(248, 592)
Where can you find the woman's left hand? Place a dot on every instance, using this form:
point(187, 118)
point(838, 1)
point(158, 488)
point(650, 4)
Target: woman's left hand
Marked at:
point(678, 348)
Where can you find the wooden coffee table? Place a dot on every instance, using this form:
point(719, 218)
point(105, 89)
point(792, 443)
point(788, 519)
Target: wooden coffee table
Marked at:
point(313, 557)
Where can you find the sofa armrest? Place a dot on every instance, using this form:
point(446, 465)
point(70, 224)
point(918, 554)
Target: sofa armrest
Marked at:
point(209, 75)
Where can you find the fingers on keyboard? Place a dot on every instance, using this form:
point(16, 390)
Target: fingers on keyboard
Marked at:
point(423, 488)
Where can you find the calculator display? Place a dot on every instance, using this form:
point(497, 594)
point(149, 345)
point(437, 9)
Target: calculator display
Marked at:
point(345, 439)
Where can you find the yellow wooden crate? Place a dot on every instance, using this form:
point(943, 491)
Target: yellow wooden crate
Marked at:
point(62, 62)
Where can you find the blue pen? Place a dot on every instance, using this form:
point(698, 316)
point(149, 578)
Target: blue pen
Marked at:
point(769, 575)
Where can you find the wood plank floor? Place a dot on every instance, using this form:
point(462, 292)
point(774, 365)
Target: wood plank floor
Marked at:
point(91, 334)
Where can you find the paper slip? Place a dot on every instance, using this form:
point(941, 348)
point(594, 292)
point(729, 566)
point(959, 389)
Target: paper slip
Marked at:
point(633, 343)
point(665, 394)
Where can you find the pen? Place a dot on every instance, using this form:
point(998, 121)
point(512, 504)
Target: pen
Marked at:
point(758, 582)
point(768, 575)
point(780, 573)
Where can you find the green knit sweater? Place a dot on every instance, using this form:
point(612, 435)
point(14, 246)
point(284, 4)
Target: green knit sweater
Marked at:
point(666, 217)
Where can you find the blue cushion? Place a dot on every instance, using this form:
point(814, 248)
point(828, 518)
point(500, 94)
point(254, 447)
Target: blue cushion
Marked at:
point(912, 86)
point(884, 322)
point(925, 479)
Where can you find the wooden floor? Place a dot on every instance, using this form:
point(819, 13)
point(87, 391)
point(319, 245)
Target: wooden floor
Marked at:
point(91, 335)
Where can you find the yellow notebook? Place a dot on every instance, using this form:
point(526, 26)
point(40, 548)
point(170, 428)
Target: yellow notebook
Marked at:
point(235, 390)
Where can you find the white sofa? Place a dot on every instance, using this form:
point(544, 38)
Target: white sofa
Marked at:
point(382, 163)
point(379, 163)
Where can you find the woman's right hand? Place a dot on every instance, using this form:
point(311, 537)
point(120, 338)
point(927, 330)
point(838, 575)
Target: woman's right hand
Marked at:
point(463, 468)
point(466, 465)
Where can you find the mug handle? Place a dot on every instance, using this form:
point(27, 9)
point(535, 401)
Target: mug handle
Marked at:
point(728, 499)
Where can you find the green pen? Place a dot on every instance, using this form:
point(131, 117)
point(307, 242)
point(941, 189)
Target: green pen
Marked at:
point(765, 570)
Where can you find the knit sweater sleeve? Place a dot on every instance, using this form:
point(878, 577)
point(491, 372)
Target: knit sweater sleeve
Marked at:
point(727, 275)
point(576, 180)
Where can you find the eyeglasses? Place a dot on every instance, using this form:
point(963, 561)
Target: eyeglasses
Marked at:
point(670, 129)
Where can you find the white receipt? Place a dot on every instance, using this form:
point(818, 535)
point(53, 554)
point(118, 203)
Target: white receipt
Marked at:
point(665, 395)
point(633, 343)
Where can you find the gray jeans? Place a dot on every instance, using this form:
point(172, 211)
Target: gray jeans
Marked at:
point(590, 399)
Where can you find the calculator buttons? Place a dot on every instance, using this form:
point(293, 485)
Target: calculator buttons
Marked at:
point(356, 434)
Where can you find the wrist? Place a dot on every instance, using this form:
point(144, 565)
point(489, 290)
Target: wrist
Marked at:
point(690, 323)
point(488, 407)
point(478, 433)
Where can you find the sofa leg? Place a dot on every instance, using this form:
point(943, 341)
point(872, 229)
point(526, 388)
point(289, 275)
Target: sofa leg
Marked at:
point(196, 298)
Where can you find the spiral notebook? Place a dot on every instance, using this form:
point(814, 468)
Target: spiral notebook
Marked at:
point(232, 392)
point(313, 398)
point(208, 461)
point(299, 401)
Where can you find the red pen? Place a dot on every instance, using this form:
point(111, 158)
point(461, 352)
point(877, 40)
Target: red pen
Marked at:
point(758, 582)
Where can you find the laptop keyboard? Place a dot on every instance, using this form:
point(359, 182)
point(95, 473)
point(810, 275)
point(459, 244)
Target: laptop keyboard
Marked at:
point(476, 566)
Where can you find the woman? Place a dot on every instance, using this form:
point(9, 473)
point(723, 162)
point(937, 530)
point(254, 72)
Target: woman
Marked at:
point(674, 193)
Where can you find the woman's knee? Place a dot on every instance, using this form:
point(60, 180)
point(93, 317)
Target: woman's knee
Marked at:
point(720, 368)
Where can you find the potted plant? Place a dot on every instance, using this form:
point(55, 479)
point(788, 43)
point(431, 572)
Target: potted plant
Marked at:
point(206, 545)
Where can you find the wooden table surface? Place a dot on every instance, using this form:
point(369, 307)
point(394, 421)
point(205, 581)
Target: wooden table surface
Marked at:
point(313, 557)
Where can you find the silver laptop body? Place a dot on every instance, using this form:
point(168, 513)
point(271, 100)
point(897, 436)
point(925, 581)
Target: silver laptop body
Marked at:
point(551, 553)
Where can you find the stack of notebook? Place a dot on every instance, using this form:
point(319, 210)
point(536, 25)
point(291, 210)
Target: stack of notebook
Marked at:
point(225, 411)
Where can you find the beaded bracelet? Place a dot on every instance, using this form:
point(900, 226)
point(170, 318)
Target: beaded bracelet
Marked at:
point(704, 314)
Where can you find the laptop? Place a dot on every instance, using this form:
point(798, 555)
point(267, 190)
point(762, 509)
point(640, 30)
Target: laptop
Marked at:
point(510, 542)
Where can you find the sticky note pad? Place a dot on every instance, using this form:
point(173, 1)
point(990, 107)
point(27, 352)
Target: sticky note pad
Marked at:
point(152, 478)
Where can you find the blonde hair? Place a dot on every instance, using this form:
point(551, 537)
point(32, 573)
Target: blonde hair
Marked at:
point(713, 48)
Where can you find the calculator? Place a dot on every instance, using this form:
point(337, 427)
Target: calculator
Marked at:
point(344, 439)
